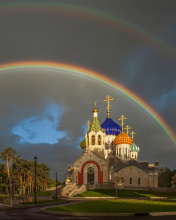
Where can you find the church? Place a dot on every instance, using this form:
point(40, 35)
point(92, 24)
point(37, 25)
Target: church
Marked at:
point(109, 152)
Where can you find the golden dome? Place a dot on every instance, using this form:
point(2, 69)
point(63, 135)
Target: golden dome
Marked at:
point(122, 138)
point(95, 110)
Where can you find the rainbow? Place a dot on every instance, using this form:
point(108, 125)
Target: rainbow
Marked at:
point(91, 14)
point(77, 71)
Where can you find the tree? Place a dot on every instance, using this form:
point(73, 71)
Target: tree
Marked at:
point(165, 177)
point(20, 167)
point(9, 155)
point(3, 176)
point(24, 172)
point(173, 181)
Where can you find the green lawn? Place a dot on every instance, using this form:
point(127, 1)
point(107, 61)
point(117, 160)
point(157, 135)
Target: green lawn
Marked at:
point(119, 206)
point(3, 196)
point(43, 202)
point(44, 193)
point(124, 193)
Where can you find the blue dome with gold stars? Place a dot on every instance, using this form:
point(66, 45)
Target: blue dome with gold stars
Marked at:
point(110, 127)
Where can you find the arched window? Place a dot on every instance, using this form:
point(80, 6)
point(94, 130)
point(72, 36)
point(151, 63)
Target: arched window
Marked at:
point(93, 140)
point(126, 154)
point(131, 181)
point(99, 139)
point(139, 181)
point(88, 140)
point(120, 152)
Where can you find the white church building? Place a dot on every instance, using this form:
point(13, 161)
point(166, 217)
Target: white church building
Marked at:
point(108, 152)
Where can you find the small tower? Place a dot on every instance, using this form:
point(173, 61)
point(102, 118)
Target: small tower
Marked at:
point(110, 127)
point(123, 142)
point(134, 149)
point(95, 137)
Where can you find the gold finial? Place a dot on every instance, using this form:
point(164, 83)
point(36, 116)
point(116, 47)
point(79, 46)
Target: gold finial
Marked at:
point(88, 123)
point(127, 128)
point(132, 134)
point(95, 109)
point(121, 119)
point(104, 130)
point(95, 104)
point(108, 99)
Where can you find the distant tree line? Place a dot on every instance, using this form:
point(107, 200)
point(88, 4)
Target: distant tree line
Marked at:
point(23, 172)
point(167, 178)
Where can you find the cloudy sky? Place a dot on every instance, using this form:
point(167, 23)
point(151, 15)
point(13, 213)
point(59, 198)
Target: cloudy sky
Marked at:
point(133, 42)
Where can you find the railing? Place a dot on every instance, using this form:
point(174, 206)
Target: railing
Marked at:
point(104, 183)
point(69, 186)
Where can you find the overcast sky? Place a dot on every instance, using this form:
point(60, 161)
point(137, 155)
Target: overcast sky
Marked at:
point(44, 114)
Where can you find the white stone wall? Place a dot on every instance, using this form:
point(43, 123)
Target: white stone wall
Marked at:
point(134, 173)
point(123, 151)
point(134, 155)
point(146, 179)
point(109, 139)
point(88, 138)
point(88, 156)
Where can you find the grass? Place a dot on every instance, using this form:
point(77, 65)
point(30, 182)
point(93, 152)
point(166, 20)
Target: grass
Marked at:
point(119, 206)
point(124, 193)
point(44, 193)
point(3, 196)
point(42, 202)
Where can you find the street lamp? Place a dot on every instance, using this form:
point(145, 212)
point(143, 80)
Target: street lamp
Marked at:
point(56, 185)
point(118, 181)
point(1, 184)
point(35, 160)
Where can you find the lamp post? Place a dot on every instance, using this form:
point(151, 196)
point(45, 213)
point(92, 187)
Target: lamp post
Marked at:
point(56, 185)
point(116, 185)
point(1, 184)
point(118, 181)
point(35, 160)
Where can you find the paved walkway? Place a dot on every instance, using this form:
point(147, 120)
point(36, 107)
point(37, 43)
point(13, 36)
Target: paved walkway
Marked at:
point(35, 213)
point(32, 213)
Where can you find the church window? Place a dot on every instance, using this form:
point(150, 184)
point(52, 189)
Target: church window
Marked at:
point(139, 181)
point(99, 139)
point(132, 155)
point(93, 139)
point(87, 140)
point(119, 152)
point(135, 156)
point(131, 181)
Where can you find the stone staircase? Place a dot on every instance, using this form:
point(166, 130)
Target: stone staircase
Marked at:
point(77, 190)
point(69, 190)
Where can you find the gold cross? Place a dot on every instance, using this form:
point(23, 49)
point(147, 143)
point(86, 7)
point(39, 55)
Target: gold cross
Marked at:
point(88, 123)
point(132, 134)
point(121, 119)
point(95, 104)
point(127, 128)
point(108, 99)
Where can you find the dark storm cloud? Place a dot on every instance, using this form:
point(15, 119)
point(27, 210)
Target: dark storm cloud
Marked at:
point(156, 84)
point(137, 64)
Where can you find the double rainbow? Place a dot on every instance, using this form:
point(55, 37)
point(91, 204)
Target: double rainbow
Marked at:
point(86, 13)
point(53, 67)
